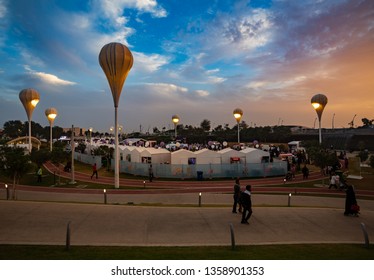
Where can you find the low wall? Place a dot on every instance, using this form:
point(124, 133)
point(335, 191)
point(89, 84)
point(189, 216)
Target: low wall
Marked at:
point(182, 171)
point(89, 159)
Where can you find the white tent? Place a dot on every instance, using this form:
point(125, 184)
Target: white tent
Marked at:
point(206, 156)
point(182, 156)
point(253, 155)
point(136, 154)
point(229, 155)
point(153, 155)
point(125, 152)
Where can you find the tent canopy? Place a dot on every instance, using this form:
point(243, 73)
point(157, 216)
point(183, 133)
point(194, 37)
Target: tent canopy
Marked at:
point(206, 156)
point(253, 155)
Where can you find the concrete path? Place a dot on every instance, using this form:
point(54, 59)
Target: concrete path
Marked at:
point(160, 223)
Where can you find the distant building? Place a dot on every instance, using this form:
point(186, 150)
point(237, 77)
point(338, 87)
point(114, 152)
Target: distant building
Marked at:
point(77, 131)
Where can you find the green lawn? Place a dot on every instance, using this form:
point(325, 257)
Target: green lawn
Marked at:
point(255, 252)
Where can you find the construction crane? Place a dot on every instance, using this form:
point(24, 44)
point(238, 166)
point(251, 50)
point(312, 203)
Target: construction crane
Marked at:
point(351, 124)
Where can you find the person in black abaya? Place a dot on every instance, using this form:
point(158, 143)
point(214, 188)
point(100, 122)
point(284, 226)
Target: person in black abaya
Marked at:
point(350, 200)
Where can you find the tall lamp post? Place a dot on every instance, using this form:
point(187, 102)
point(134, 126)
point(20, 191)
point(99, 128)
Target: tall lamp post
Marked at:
point(29, 98)
point(90, 130)
point(319, 102)
point(175, 120)
point(116, 61)
point(51, 114)
point(238, 113)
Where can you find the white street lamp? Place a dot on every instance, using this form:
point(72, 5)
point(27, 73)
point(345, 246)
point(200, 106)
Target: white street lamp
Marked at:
point(51, 114)
point(319, 102)
point(90, 130)
point(175, 119)
point(29, 98)
point(238, 113)
point(116, 61)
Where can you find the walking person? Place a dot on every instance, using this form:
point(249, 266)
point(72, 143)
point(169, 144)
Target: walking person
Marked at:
point(150, 173)
point(351, 207)
point(246, 201)
point(39, 173)
point(94, 171)
point(305, 171)
point(334, 181)
point(237, 192)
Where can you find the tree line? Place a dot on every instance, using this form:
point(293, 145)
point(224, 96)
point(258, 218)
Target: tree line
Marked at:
point(187, 133)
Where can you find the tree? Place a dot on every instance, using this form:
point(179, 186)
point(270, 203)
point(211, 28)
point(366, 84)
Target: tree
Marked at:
point(106, 152)
point(14, 163)
point(40, 156)
point(243, 125)
point(58, 156)
point(14, 129)
point(81, 148)
point(205, 125)
point(366, 122)
point(156, 130)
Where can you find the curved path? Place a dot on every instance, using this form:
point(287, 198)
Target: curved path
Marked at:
point(172, 184)
point(137, 186)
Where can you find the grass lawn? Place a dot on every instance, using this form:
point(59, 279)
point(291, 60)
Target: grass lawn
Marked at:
point(255, 252)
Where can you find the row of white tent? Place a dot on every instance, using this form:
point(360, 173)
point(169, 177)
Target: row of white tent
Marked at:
point(183, 156)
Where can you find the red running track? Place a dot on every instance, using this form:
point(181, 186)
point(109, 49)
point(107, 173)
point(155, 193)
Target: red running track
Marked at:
point(159, 186)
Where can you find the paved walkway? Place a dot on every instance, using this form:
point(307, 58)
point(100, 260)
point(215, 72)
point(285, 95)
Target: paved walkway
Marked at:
point(172, 213)
point(126, 221)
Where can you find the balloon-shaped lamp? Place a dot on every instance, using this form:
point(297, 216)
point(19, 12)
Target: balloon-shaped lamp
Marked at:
point(319, 102)
point(51, 114)
point(116, 61)
point(29, 98)
point(238, 113)
point(175, 119)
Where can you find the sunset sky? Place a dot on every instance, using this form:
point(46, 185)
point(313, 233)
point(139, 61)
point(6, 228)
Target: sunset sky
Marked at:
point(197, 59)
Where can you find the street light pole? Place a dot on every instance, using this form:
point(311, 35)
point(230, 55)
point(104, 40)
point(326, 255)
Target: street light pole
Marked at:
point(116, 61)
point(51, 114)
point(72, 144)
point(90, 130)
point(319, 102)
point(29, 98)
point(175, 120)
point(238, 113)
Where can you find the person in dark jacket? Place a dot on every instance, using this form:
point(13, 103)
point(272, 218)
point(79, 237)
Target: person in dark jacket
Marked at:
point(246, 201)
point(237, 192)
point(350, 200)
point(94, 171)
point(150, 173)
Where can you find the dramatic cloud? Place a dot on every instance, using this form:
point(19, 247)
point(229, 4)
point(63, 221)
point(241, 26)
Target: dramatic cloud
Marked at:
point(198, 61)
point(149, 63)
point(48, 78)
